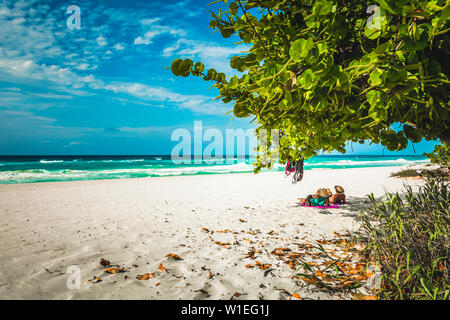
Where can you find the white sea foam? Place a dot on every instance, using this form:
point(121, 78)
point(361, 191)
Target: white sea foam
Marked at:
point(399, 161)
point(159, 170)
point(51, 161)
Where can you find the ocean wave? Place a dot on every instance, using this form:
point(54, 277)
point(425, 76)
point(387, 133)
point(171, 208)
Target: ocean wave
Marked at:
point(51, 161)
point(161, 169)
point(355, 163)
point(399, 161)
point(93, 161)
point(239, 167)
point(35, 175)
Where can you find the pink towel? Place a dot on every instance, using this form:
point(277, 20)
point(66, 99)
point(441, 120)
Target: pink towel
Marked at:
point(333, 206)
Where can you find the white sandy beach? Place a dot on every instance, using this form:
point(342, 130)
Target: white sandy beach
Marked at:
point(135, 223)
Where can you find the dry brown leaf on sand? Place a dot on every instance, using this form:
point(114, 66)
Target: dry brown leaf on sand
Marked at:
point(105, 263)
point(223, 243)
point(283, 291)
point(296, 295)
point(162, 268)
point(203, 291)
point(223, 231)
point(173, 256)
point(369, 298)
point(145, 276)
point(359, 296)
point(115, 270)
point(94, 279)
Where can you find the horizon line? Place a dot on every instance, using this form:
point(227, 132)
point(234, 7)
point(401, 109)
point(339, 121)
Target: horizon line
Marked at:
point(169, 155)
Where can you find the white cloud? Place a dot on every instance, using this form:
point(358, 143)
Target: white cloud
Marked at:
point(147, 22)
point(28, 115)
point(39, 51)
point(196, 103)
point(101, 41)
point(119, 47)
point(153, 30)
point(65, 77)
point(85, 66)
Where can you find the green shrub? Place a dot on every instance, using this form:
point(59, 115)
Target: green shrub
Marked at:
point(408, 235)
point(438, 173)
point(440, 155)
point(406, 173)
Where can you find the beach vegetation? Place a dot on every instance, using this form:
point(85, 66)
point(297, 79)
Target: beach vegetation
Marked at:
point(401, 251)
point(440, 155)
point(408, 235)
point(326, 73)
point(421, 173)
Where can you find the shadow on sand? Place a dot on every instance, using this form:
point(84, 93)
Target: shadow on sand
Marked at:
point(352, 208)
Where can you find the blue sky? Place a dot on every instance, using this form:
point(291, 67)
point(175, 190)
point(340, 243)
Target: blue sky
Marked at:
point(103, 89)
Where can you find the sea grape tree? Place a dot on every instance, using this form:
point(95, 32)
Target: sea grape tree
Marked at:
point(328, 72)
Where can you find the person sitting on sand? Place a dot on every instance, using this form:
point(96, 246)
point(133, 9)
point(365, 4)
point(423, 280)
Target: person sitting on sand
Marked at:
point(320, 199)
point(339, 196)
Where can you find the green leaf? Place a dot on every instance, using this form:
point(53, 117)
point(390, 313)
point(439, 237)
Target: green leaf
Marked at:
point(381, 48)
point(185, 67)
point(322, 7)
point(211, 75)
point(306, 80)
point(199, 68)
point(234, 82)
point(373, 97)
point(390, 6)
point(412, 133)
point(175, 67)
point(377, 78)
point(300, 49)
point(233, 8)
point(372, 33)
point(322, 47)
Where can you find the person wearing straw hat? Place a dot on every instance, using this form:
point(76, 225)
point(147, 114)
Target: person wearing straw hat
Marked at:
point(339, 196)
point(320, 199)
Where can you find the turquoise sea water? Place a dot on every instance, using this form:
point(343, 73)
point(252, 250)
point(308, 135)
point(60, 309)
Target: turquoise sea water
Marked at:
point(26, 169)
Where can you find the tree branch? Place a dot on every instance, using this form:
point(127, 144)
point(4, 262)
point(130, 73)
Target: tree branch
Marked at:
point(254, 29)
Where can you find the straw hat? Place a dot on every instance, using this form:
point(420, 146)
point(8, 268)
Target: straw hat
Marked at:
point(323, 193)
point(339, 189)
